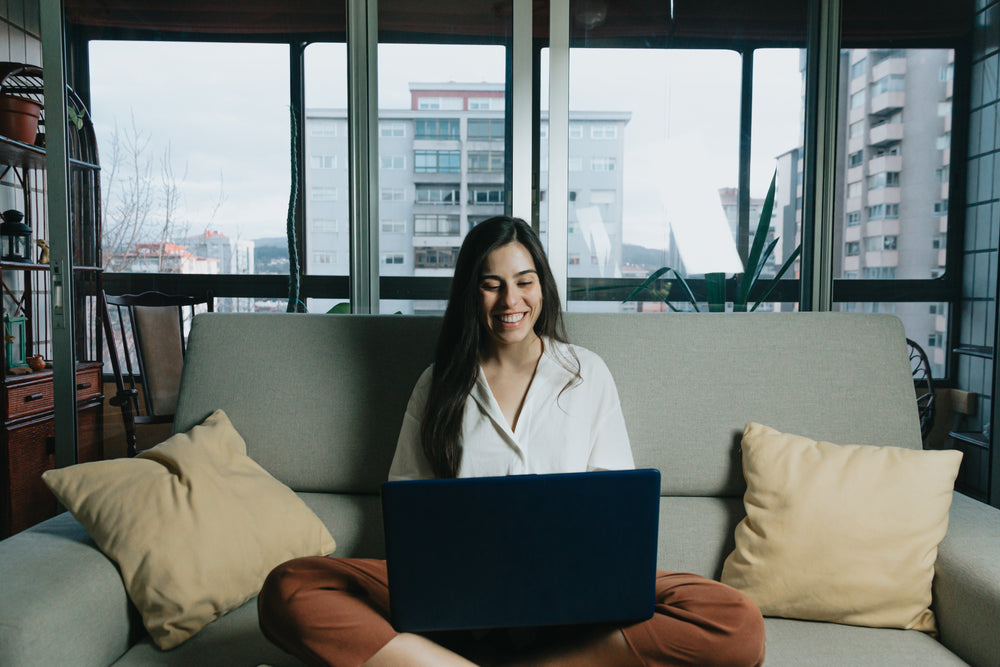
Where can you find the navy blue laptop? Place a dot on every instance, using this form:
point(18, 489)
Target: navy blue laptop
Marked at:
point(524, 550)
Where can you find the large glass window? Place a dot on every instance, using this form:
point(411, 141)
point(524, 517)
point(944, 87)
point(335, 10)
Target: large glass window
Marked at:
point(183, 188)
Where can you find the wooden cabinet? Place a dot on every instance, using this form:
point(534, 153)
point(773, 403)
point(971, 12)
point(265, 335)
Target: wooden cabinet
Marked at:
point(27, 444)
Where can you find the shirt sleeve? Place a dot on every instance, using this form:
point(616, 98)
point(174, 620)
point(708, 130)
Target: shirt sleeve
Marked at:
point(409, 461)
point(611, 449)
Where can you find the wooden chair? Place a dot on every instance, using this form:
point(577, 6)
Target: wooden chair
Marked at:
point(146, 337)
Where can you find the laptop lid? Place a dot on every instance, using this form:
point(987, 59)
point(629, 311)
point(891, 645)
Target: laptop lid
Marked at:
point(524, 550)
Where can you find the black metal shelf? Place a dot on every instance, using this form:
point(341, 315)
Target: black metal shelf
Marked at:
point(981, 351)
point(975, 438)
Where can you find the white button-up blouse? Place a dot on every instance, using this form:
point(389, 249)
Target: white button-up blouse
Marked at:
point(562, 427)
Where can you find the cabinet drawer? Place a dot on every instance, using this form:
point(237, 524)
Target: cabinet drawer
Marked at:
point(29, 398)
point(88, 383)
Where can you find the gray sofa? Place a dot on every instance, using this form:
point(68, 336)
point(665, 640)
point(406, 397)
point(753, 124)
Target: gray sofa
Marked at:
point(319, 400)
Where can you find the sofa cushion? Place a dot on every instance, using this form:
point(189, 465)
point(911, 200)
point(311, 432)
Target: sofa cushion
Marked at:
point(194, 525)
point(841, 533)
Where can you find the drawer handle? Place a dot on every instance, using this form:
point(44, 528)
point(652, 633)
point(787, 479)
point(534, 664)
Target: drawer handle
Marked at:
point(33, 397)
point(83, 385)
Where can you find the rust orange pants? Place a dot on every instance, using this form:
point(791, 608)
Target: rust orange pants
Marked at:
point(334, 611)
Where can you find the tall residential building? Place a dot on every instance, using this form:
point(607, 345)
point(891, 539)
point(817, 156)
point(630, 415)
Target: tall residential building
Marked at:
point(442, 171)
point(895, 129)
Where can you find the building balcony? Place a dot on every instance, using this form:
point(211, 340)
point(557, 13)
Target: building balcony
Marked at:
point(887, 102)
point(893, 65)
point(852, 233)
point(852, 263)
point(856, 143)
point(940, 323)
point(886, 133)
point(885, 163)
point(855, 174)
point(852, 204)
point(882, 258)
point(943, 224)
point(942, 255)
point(882, 228)
point(887, 195)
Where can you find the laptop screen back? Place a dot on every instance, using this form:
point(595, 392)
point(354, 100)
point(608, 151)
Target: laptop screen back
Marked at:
point(527, 550)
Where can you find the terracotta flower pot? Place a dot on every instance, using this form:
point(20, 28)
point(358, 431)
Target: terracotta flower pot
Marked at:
point(19, 118)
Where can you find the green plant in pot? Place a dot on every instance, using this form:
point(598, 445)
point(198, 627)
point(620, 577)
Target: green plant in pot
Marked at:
point(715, 283)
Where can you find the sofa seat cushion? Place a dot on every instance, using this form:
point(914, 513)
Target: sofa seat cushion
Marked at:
point(792, 643)
point(841, 533)
point(194, 525)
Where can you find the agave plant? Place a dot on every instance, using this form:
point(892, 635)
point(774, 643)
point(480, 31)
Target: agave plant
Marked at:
point(715, 283)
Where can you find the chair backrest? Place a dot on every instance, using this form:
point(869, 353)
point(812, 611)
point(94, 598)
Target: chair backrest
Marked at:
point(146, 342)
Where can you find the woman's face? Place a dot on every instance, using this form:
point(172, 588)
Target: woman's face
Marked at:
point(510, 295)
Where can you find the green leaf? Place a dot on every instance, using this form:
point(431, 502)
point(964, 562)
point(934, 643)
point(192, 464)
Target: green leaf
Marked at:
point(754, 259)
point(342, 308)
point(653, 277)
point(774, 281)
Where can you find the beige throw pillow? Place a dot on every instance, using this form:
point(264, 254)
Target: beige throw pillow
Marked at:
point(194, 525)
point(847, 534)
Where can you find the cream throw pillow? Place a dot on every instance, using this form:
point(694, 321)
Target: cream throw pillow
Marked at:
point(194, 525)
point(847, 534)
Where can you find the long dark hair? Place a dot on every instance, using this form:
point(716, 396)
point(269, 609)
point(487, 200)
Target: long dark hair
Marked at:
point(463, 337)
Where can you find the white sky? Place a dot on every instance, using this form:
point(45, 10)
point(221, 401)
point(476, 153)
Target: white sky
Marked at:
point(223, 109)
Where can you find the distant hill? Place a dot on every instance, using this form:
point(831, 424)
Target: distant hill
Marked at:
point(271, 242)
point(651, 258)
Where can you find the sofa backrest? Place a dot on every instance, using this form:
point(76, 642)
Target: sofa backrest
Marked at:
point(320, 398)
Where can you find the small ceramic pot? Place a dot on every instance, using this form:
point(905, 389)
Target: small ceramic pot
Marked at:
point(37, 362)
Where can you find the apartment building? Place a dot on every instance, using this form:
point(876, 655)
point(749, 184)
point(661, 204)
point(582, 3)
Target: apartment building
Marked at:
point(442, 170)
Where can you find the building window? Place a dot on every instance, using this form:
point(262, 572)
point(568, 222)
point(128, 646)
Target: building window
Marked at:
point(437, 194)
point(486, 104)
point(451, 103)
point(393, 226)
point(853, 218)
point(889, 83)
point(393, 258)
point(944, 141)
point(603, 131)
point(322, 128)
point(437, 162)
point(941, 207)
point(435, 258)
point(575, 131)
point(943, 174)
point(877, 243)
point(885, 179)
point(947, 72)
point(939, 242)
point(392, 194)
point(880, 272)
point(392, 129)
point(323, 162)
point(855, 159)
point(324, 258)
point(324, 225)
point(486, 161)
point(858, 99)
point(317, 193)
point(572, 195)
point(436, 225)
point(854, 189)
point(392, 162)
point(490, 194)
point(543, 131)
point(602, 164)
point(891, 149)
point(485, 129)
point(883, 212)
point(859, 68)
point(574, 259)
point(576, 164)
point(437, 128)
point(852, 248)
point(856, 129)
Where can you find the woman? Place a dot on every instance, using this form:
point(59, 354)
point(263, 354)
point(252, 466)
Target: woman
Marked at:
point(507, 394)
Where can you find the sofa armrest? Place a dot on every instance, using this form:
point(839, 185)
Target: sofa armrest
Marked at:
point(967, 582)
point(62, 602)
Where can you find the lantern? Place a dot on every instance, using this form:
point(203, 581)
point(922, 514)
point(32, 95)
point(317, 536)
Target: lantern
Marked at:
point(15, 237)
point(14, 339)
